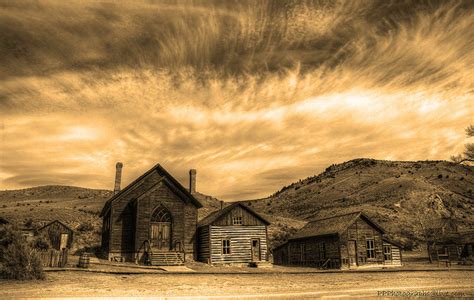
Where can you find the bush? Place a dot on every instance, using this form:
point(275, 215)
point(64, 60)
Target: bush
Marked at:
point(17, 259)
point(41, 243)
point(85, 227)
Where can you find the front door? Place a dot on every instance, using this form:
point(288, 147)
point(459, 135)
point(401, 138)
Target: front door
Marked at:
point(352, 252)
point(160, 235)
point(255, 246)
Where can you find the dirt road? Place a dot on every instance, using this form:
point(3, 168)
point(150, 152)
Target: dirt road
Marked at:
point(326, 285)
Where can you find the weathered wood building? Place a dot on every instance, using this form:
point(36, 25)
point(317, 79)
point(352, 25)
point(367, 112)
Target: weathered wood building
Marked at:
point(452, 247)
point(234, 234)
point(348, 240)
point(151, 221)
point(59, 235)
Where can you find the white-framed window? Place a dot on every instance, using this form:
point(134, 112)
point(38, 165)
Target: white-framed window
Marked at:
point(387, 252)
point(237, 220)
point(226, 246)
point(370, 248)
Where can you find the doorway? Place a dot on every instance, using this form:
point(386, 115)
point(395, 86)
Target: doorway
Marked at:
point(352, 252)
point(160, 229)
point(255, 248)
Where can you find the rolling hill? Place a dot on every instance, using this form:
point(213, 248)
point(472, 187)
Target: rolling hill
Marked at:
point(395, 193)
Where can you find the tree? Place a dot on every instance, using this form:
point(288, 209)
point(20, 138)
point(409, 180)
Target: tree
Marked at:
point(468, 155)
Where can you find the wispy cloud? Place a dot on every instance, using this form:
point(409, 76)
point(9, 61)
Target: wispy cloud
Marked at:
point(253, 96)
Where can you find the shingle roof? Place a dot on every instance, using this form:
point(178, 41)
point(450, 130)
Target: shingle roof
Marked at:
point(215, 215)
point(332, 225)
point(162, 172)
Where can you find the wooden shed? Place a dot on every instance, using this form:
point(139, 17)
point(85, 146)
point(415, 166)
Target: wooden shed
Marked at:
point(344, 241)
point(59, 235)
point(234, 234)
point(452, 247)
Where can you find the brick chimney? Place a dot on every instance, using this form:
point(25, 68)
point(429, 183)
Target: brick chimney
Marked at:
point(192, 181)
point(118, 177)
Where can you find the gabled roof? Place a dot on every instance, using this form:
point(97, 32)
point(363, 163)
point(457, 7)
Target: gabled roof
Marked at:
point(215, 215)
point(52, 222)
point(331, 226)
point(172, 182)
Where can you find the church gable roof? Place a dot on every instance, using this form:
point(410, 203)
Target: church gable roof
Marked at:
point(170, 181)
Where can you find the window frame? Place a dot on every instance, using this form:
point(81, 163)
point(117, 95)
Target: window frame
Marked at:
point(237, 220)
point(226, 246)
point(387, 254)
point(370, 251)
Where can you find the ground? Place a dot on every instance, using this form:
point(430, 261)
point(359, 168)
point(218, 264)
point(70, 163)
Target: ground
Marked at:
point(264, 285)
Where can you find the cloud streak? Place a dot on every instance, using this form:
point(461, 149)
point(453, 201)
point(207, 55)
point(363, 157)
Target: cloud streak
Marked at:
point(253, 96)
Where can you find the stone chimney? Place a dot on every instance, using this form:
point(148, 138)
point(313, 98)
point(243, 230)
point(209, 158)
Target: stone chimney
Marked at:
point(118, 177)
point(192, 181)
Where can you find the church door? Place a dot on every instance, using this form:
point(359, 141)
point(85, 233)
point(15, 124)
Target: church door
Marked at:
point(160, 229)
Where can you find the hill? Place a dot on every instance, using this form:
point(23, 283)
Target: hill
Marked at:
point(395, 193)
point(80, 207)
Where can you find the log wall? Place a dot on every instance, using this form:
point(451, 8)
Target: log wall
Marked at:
point(240, 242)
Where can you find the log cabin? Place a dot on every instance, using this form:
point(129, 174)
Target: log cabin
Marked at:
point(234, 234)
point(151, 221)
point(344, 241)
point(59, 235)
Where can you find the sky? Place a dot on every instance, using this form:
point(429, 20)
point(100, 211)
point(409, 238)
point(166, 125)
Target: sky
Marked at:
point(253, 94)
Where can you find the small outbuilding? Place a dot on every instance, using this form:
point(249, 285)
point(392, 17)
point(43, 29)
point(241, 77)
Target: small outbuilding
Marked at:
point(453, 247)
point(58, 234)
point(234, 234)
point(343, 241)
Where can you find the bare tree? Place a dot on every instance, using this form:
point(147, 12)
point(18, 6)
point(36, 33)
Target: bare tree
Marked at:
point(468, 155)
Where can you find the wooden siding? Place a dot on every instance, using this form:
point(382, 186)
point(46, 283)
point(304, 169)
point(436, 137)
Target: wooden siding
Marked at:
point(240, 243)
point(314, 251)
point(203, 240)
point(248, 219)
point(53, 233)
point(395, 254)
point(131, 213)
point(361, 231)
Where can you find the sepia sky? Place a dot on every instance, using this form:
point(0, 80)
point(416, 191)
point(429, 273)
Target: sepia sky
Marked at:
point(253, 94)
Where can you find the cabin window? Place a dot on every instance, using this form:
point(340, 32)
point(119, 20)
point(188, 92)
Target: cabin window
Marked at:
point(370, 249)
point(237, 220)
point(387, 252)
point(225, 246)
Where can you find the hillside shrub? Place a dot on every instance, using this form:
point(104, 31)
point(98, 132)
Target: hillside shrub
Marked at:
point(41, 243)
point(440, 176)
point(84, 227)
point(18, 260)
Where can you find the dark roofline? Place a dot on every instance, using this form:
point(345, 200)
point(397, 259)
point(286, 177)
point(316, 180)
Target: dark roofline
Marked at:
point(158, 167)
point(217, 214)
point(357, 214)
point(43, 227)
point(390, 241)
point(312, 236)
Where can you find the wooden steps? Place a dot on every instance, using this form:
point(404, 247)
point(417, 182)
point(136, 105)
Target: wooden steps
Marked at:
point(167, 258)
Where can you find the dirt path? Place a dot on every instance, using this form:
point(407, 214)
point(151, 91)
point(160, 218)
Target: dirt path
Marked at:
point(74, 284)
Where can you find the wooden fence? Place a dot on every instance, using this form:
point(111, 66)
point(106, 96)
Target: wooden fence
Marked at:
point(53, 258)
